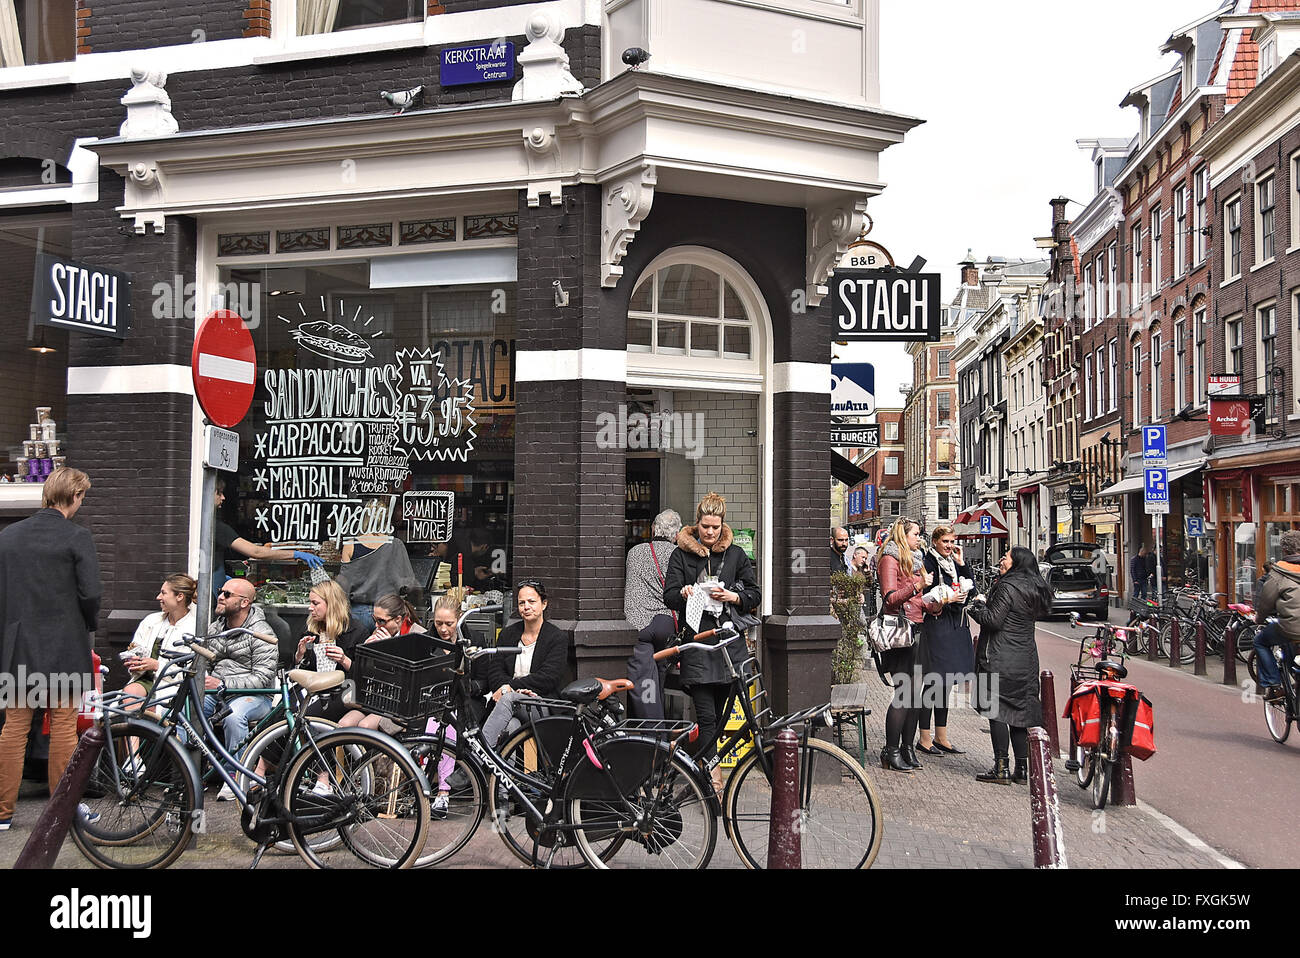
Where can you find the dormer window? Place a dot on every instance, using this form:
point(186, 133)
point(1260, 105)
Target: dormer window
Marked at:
point(1267, 57)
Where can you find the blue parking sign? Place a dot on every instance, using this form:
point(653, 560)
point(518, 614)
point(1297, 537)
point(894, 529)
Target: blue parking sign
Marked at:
point(1156, 490)
point(1195, 526)
point(1153, 445)
point(986, 525)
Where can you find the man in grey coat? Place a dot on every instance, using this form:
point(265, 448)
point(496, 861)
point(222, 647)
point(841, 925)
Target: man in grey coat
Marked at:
point(49, 602)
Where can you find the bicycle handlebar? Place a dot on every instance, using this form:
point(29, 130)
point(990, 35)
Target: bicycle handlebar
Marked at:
point(473, 653)
point(677, 649)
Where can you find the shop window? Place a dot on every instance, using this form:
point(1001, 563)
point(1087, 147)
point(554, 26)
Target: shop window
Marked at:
point(328, 16)
point(691, 309)
point(33, 359)
point(37, 31)
point(381, 410)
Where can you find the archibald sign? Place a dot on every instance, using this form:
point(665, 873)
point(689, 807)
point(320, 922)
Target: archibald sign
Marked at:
point(886, 305)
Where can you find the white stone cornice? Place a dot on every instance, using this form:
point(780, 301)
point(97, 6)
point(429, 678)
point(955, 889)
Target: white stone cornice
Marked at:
point(626, 203)
point(129, 380)
point(544, 164)
point(566, 365)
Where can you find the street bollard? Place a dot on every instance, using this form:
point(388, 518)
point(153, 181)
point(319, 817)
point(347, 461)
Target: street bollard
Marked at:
point(1047, 695)
point(1122, 789)
point(1070, 764)
point(1230, 655)
point(1045, 808)
point(1175, 642)
point(51, 828)
point(785, 826)
point(1199, 667)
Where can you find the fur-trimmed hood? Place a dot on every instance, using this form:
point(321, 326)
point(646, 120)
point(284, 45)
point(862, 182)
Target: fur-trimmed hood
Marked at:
point(686, 539)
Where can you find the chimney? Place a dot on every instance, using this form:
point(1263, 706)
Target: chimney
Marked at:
point(970, 275)
point(1061, 257)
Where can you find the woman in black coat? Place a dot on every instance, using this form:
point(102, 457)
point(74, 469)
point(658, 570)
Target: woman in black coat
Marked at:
point(537, 671)
point(705, 550)
point(947, 656)
point(1006, 660)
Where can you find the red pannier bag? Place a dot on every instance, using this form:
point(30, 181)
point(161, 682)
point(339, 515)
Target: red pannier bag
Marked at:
point(1084, 712)
point(1143, 744)
point(89, 710)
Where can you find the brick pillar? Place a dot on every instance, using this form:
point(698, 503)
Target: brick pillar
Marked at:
point(134, 445)
point(569, 492)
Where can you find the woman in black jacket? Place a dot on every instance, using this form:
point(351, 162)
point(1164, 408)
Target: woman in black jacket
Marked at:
point(946, 655)
point(705, 552)
point(538, 670)
point(1007, 660)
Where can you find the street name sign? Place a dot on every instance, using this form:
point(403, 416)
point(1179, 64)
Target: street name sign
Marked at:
point(1156, 491)
point(886, 305)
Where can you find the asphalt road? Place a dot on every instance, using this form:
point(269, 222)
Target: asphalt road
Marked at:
point(1216, 770)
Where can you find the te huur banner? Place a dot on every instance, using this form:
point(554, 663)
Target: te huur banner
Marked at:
point(88, 299)
point(886, 305)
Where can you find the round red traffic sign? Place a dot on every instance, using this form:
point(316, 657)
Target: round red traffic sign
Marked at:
point(224, 364)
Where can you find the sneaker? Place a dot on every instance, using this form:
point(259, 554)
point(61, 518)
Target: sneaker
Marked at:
point(226, 794)
point(87, 816)
point(5, 824)
point(322, 789)
point(440, 804)
point(1274, 694)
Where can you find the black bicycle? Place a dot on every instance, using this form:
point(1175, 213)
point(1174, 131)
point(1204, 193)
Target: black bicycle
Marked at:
point(1279, 714)
point(355, 784)
point(840, 820)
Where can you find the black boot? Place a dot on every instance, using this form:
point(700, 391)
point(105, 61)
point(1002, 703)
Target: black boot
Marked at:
point(999, 774)
point(1021, 773)
point(908, 755)
point(890, 759)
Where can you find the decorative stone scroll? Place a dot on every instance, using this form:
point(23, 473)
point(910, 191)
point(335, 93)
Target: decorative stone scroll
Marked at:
point(544, 63)
point(831, 229)
point(626, 204)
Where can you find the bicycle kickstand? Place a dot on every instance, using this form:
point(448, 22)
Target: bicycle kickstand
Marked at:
point(257, 855)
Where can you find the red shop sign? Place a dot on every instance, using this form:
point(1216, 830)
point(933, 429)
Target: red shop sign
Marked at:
point(1229, 417)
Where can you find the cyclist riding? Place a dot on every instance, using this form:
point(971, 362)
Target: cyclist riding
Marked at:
point(1279, 595)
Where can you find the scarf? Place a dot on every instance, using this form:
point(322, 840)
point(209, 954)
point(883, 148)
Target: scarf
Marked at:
point(946, 565)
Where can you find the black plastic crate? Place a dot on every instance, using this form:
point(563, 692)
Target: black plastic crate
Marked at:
point(404, 678)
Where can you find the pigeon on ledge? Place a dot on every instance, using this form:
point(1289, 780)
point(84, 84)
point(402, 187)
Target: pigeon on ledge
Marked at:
point(403, 100)
point(635, 56)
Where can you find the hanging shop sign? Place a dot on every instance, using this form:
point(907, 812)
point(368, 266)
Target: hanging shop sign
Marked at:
point(1229, 385)
point(865, 254)
point(853, 389)
point(886, 305)
point(479, 63)
point(859, 437)
point(1229, 417)
point(88, 299)
point(1078, 495)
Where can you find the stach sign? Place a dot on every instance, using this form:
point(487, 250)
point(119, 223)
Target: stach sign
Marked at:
point(886, 305)
point(72, 295)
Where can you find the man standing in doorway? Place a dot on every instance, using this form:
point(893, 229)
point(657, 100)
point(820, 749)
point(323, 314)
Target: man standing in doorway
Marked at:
point(1137, 571)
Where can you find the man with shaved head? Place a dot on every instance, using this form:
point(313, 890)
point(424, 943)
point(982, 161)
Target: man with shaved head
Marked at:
point(839, 549)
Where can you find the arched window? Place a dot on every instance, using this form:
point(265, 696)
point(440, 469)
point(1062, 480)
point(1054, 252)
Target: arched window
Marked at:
point(695, 310)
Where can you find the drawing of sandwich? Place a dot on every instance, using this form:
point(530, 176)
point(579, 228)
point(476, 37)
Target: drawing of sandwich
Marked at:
point(333, 342)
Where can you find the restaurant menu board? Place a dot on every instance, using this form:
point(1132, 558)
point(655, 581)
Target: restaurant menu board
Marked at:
point(335, 438)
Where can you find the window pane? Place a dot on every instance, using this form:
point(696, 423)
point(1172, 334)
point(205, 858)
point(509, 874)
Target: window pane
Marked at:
point(324, 16)
point(639, 333)
point(47, 32)
point(672, 337)
point(704, 339)
point(641, 299)
point(732, 307)
point(688, 290)
point(736, 344)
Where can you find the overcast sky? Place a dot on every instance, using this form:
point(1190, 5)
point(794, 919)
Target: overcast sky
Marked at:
point(1006, 87)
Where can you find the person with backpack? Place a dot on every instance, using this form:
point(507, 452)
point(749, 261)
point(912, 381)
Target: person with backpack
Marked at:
point(1278, 596)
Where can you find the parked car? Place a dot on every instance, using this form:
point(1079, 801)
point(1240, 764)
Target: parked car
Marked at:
point(1067, 567)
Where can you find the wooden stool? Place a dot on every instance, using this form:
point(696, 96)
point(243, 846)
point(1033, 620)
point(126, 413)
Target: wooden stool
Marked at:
point(848, 707)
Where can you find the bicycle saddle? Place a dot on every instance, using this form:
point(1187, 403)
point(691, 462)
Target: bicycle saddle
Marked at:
point(1113, 668)
point(1242, 609)
point(586, 691)
point(313, 682)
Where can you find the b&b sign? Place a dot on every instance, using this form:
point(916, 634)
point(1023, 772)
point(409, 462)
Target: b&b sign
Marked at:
point(85, 298)
point(886, 305)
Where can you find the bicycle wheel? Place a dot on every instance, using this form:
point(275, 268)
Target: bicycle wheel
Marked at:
point(840, 818)
point(366, 787)
point(1246, 644)
point(451, 830)
point(1278, 715)
point(669, 824)
point(1101, 780)
point(526, 756)
point(269, 745)
point(1252, 666)
point(1186, 641)
point(146, 810)
point(1083, 774)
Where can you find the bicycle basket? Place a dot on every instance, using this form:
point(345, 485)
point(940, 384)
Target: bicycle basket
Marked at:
point(404, 678)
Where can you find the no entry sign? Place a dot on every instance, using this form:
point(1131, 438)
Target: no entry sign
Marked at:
point(224, 365)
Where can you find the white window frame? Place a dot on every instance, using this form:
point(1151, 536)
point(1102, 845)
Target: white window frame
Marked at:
point(1180, 230)
point(1295, 355)
point(1199, 218)
point(1087, 387)
point(1231, 210)
point(1114, 374)
point(1100, 401)
point(284, 27)
point(1261, 362)
point(1294, 202)
point(1234, 349)
point(1135, 242)
point(1180, 360)
point(1200, 343)
point(1137, 384)
point(1157, 351)
point(891, 432)
point(1112, 280)
point(1157, 242)
point(1087, 296)
point(34, 29)
point(891, 466)
point(1265, 220)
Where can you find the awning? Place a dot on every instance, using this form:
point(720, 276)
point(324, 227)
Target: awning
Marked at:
point(967, 525)
point(1134, 483)
point(1027, 490)
point(845, 471)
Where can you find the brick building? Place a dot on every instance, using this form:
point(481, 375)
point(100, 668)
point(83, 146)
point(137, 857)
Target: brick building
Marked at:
point(884, 469)
point(931, 466)
point(519, 296)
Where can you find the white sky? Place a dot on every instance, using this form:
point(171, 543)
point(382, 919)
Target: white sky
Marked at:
point(1005, 88)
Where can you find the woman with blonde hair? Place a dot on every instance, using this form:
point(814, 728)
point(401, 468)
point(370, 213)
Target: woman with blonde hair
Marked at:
point(705, 553)
point(163, 630)
point(331, 636)
point(947, 648)
point(902, 581)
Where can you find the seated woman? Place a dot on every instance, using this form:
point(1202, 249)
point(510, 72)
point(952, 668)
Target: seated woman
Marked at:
point(331, 636)
point(537, 670)
point(161, 630)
